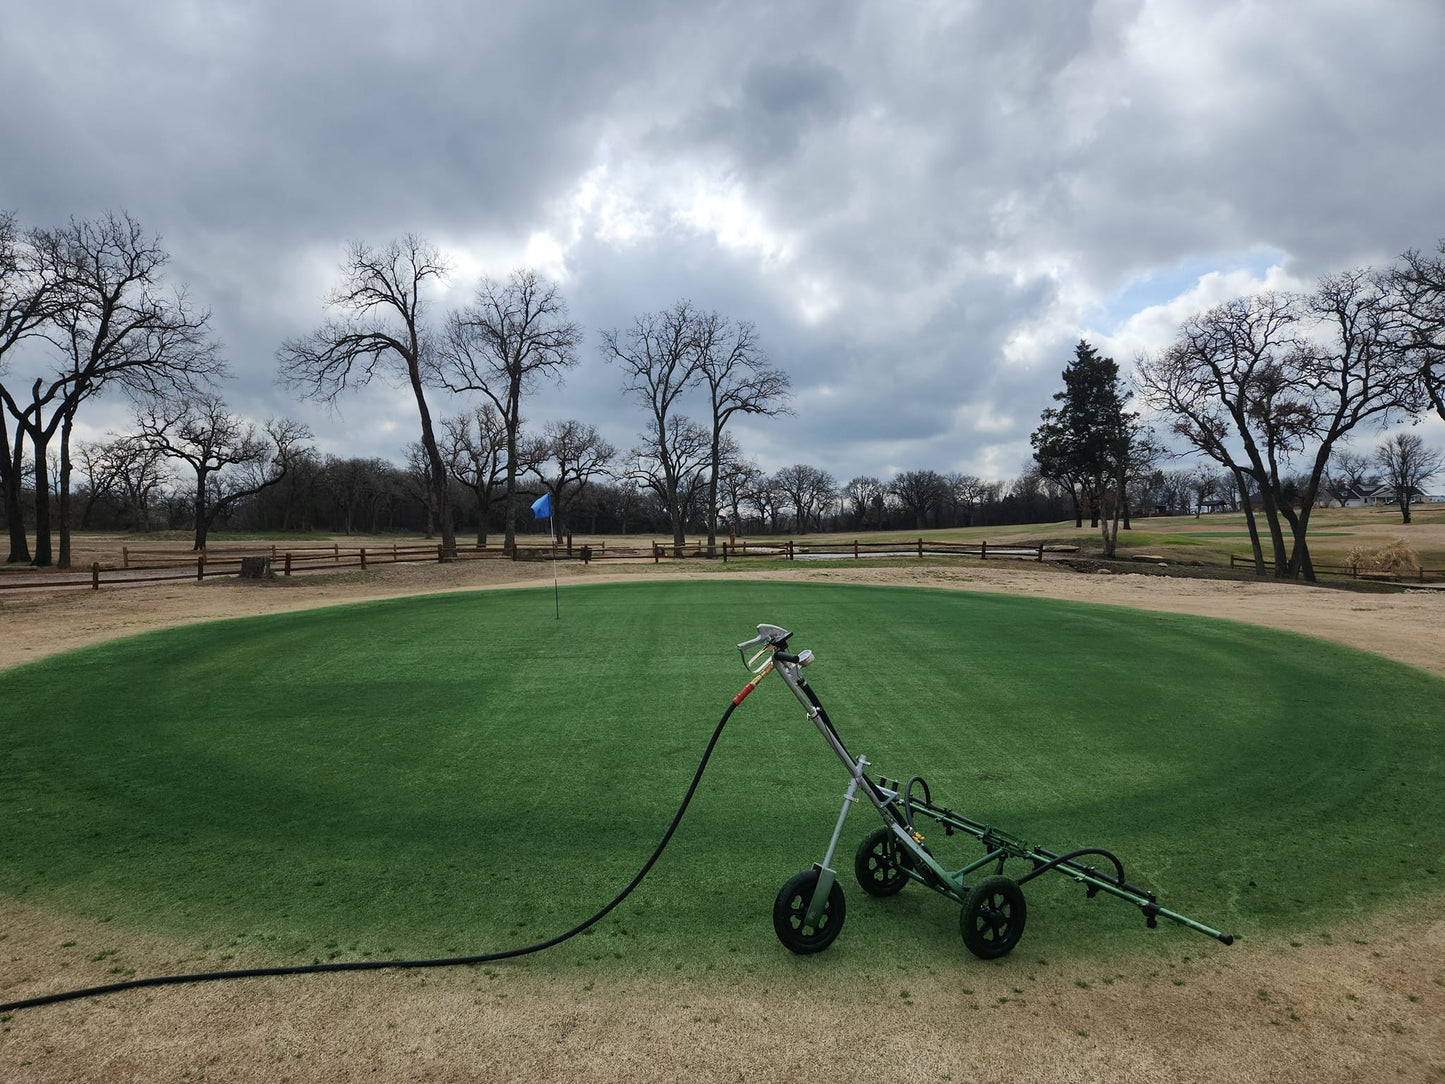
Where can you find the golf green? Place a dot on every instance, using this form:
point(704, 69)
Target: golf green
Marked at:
point(466, 773)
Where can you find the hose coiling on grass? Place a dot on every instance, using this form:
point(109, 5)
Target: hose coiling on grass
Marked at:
point(377, 965)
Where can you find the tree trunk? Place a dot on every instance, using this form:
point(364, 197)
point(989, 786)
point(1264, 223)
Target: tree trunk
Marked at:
point(711, 511)
point(1109, 527)
point(1248, 507)
point(482, 503)
point(1300, 565)
point(203, 521)
point(11, 475)
point(436, 471)
point(509, 513)
point(1276, 534)
point(64, 503)
point(43, 554)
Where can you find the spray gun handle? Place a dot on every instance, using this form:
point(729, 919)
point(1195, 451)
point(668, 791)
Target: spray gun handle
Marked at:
point(769, 636)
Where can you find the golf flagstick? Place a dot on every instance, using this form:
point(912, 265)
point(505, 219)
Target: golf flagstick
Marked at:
point(541, 507)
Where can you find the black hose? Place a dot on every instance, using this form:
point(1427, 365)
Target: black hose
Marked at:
point(376, 965)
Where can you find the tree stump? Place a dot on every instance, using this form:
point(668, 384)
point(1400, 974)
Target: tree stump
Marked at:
point(255, 568)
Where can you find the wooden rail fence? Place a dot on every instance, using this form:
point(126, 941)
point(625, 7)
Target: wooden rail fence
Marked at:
point(154, 565)
point(1355, 572)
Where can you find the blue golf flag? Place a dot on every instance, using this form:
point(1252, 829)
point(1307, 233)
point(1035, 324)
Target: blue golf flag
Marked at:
point(542, 506)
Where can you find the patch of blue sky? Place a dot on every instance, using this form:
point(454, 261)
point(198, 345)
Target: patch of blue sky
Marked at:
point(1159, 286)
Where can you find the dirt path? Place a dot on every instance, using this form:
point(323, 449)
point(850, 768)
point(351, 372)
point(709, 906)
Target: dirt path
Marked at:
point(1357, 1003)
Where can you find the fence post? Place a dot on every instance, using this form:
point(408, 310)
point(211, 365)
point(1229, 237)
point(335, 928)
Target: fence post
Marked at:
point(1041, 553)
point(201, 565)
point(983, 550)
point(288, 562)
point(920, 549)
point(363, 558)
point(790, 549)
point(95, 576)
point(440, 558)
point(855, 549)
point(125, 557)
point(655, 557)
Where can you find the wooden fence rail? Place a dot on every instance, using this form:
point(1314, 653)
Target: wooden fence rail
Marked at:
point(1355, 572)
point(154, 565)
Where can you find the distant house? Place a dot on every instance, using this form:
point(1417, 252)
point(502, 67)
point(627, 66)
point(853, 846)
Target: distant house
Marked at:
point(1368, 495)
point(1379, 495)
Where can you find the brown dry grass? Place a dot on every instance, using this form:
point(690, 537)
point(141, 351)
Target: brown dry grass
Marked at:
point(1362, 1002)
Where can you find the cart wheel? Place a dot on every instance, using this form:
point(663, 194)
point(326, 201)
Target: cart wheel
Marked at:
point(790, 911)
point(993, 917)
point(877, 864)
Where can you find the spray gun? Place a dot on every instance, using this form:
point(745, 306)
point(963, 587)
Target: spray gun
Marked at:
point(772, 641)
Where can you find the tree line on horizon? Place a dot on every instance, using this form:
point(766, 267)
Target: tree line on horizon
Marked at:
point(1248, 388)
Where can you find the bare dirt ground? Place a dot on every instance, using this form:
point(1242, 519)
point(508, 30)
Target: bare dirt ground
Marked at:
point(1353, 1003)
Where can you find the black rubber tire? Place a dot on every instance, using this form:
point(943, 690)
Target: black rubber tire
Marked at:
point(791, 908)
point(993, 916)
point(878, 864)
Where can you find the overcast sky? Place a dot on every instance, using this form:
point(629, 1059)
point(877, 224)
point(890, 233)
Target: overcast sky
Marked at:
point(922, 206)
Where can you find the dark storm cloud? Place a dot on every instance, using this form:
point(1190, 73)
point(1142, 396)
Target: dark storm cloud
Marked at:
point(922, 206)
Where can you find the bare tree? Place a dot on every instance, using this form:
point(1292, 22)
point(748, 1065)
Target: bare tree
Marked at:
point(659, 361)
point(1258, 381)
point(379, 329)
point(230, 459)
point(415, 482)
point(623, 501)
point(735, 479)
point(1407, 464)
point(810, 489)
point(511, 336)
point(29, 281)
point(732, 367)
point(345, 481)
point(114, 325)
point(110, 322)
point(130, 468)
point(1417, 284)
point(921, 492)
point(1347, 472)
point(864, 495)
point(1355, 373)
point(573, 454)
point(476, 454)
point(768, 496)
point(672, 463)
point(1223, 382)
point(969, 493)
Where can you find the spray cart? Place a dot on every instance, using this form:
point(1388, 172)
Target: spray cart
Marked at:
point(809, 910)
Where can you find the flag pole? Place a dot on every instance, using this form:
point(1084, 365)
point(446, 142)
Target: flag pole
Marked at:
point(542, 507)
point(556, 596)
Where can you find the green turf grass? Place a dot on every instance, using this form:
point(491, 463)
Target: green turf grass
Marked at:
point(465, 773)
